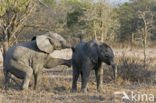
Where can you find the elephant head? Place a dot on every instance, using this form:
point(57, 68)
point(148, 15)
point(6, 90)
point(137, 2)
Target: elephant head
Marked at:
point(99, 51)
point(51, 41)
point(105, 54)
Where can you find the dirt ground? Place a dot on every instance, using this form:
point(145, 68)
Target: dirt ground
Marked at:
point(56, 83)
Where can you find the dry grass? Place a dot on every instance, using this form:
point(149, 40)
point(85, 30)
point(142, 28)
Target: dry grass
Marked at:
point(56, 83)
point(131, 66)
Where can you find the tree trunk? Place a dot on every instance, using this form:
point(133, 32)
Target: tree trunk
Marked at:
point(145, 43)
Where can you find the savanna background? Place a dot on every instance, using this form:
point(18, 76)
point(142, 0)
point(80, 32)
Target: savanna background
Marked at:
point(128, 27)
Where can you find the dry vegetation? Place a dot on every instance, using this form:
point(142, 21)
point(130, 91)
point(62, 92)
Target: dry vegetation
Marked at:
point(56, 82)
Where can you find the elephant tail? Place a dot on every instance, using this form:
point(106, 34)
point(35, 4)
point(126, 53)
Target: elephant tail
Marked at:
point(73, 49)
point(80, 37)
point(33, 38)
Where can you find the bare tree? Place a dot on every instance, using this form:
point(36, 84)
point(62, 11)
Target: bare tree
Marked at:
point(147, 19)
point(99, 19)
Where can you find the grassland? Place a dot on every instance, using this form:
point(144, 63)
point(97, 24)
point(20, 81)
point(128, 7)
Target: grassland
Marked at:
point(56, 82)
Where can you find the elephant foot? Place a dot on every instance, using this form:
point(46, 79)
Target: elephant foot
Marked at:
point(73, 90)
point(36, 89)
point(84, 90)
point(100, 90)
point(6, 88)
point(23, 88)
point(115, 81)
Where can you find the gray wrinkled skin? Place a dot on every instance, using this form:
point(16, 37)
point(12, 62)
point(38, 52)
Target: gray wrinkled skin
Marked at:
point(89, 56)
point(27, 60)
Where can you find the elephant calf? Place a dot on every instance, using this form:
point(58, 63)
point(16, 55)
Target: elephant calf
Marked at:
point(25, 60)
point(87, 56)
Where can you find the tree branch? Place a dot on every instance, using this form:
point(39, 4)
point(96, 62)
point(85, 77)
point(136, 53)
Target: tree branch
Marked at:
point(19, 24)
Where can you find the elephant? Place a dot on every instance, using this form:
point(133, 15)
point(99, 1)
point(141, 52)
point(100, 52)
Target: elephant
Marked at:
point(28, 59)
point(89, 56)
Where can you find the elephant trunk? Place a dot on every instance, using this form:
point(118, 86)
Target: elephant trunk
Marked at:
point(67, 62)
point(53, 62)
point(114, 66)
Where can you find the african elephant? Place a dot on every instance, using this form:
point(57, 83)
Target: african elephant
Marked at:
point(27, 59)
point(87, 56)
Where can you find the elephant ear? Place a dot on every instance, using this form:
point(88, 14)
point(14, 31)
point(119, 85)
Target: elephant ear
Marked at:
point(44, 43)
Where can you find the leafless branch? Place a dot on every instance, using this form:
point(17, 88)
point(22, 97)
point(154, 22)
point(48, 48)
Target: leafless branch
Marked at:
point(19, 24)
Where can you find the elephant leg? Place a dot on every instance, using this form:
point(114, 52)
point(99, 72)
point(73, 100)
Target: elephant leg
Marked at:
point(37, 77)
point(26, 80)
point(85, 76)
point(7, 79)
point(99, 78)
point(26, 72)
point(84, 79)
point(22, 71)
point(75, 78)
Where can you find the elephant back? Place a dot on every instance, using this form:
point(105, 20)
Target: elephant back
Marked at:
point(91, 50)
